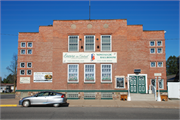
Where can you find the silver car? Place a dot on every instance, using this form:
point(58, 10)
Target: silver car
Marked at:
point(44, 98)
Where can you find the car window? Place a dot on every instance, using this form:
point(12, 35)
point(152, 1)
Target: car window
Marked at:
point(43, 94)
point(52, 94)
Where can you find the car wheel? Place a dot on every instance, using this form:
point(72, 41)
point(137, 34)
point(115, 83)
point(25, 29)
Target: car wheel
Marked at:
point(26, 103)
point(56, 105)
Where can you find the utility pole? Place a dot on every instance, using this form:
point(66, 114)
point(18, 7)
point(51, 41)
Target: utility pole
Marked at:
point(89, 9)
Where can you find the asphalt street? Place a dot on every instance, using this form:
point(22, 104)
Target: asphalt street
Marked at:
point(88, 113)
point(7, 96)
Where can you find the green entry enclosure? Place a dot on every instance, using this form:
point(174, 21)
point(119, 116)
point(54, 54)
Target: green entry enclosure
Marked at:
point(137, 83)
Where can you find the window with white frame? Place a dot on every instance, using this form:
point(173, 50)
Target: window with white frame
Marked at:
point(106, 72)
point(89, 72)
point(161, 84)
point(29, 51)
point(152, 43)
point(120, 82)
point(22, 51)
point(22, 72)
point(29, 65)
point(23, 44)
point(29, 72)
point(30, 44)
point(152, 50)
point(160, 64)
point(22, 65)
point(159, 50)
point(106, 43)
point(159, 43)
point(89, 43)
point(73, 43)
point(73, 72)
point(153, 64)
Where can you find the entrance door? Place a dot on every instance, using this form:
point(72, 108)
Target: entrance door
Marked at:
point(133, 84)
point(141, 84)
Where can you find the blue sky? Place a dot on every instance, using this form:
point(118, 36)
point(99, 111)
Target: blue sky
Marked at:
point(27, 16)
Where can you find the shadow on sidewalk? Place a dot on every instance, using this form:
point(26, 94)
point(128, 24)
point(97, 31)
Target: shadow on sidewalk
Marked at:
point(51, 105)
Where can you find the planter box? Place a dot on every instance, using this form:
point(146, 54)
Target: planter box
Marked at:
point(124, 97)
point(164, 98)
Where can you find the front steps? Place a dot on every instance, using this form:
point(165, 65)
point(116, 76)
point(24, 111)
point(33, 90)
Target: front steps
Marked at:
point(142, 97)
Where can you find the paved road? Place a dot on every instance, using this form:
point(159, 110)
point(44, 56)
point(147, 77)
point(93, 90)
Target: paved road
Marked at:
point(7, 96)
point(88, 113)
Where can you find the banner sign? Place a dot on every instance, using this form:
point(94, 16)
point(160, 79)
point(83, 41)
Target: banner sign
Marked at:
point(24, 79)
point(94, 57)
point(42, 76)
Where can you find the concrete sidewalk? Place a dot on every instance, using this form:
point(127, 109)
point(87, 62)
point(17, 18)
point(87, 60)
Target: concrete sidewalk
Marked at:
point(110, 103)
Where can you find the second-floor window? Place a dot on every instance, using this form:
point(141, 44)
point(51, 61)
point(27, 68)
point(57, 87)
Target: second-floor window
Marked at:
point(73, 43)
point(105, 43)
point(89, 43)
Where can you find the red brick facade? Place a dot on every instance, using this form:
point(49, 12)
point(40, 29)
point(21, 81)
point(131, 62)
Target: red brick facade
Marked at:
point(131, 43)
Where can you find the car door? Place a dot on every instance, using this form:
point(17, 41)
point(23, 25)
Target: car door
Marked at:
point(52, 97)
point(41, 98)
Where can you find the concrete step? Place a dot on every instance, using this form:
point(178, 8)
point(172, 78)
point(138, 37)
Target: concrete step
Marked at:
point(142, 97)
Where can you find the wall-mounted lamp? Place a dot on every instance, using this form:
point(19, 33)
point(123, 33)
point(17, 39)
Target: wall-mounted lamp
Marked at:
point(80, 39)
point(81, 47)
point(97, 39)
point(98, 46)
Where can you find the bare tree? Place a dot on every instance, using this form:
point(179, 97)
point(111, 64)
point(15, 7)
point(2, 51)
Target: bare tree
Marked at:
point(13, 69)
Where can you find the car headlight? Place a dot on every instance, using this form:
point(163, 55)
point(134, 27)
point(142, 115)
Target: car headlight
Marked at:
point(21, 99)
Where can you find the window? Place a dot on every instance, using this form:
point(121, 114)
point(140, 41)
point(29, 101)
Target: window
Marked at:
point(152, 50)
point(89, 72)
point(23, 44)
point(152, 43)
point(153, 64)
point(29, 51)
point(73, 43)
point(23, 51)
point(161, 84)
point(43, 94)
point(22, 72)
point(73, 72)
point(160, 64)
point(106, 73)
point(89, 43)
point(22, 65)
point(29, 65)
point(159, 43)
point(30, 44)
point(120, 83)
point(105, 43)
point(159, 50)
point(28, 72)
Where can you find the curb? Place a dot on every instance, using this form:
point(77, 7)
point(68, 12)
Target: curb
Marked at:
point(9, 105)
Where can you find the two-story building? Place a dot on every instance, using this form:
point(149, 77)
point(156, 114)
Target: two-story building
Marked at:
point(91, 59)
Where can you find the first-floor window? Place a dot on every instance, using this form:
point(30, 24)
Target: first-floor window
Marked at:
point(160, 64)
point(153, 64)
point(29, 65)
point(89, 72)
point(22, 72)
point(106, 73)
point(161, 84)
point(28, 72)
point(120, 83)
point(73, 72)
point(22, 65)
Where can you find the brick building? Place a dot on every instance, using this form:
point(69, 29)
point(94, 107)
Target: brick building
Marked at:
point(86, 58)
